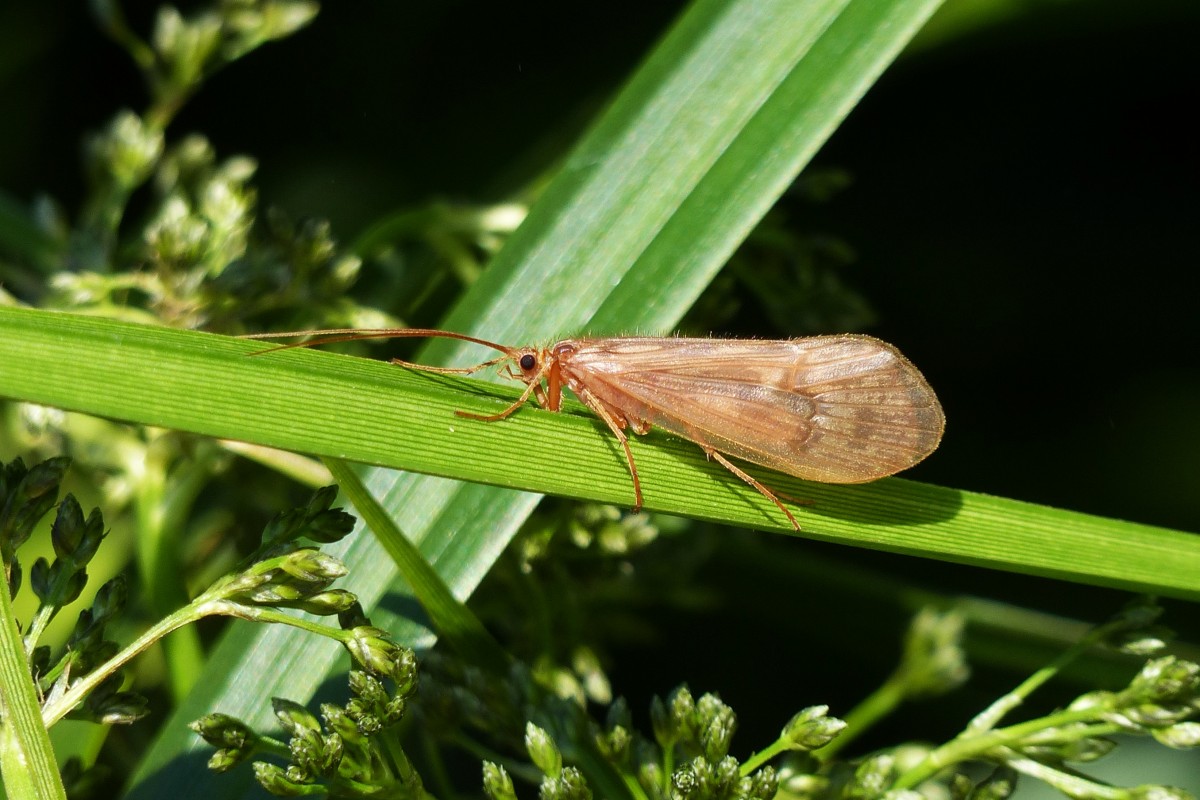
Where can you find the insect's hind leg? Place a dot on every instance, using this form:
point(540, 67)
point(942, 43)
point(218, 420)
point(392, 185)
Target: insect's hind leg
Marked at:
point(748, 478)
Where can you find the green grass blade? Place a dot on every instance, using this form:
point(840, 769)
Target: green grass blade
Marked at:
point(26, 756)
point(368, 411)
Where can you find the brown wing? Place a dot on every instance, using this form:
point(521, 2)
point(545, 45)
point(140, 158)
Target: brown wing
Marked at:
point(838, 409)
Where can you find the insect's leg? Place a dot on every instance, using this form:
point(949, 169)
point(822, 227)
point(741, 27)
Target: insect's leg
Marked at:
point(447, 370)
point(520, 401)
point(763, 490)
point(538, 392)
point(616, 423)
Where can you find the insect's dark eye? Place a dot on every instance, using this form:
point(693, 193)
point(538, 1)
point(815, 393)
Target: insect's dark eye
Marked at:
point(527, 362)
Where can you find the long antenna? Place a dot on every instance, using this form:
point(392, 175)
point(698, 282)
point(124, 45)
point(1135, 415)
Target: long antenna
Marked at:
point(333, 335)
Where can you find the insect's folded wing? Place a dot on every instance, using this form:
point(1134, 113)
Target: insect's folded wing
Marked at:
point(838, 409)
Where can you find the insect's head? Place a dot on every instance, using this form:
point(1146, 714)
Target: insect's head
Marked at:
point(528, 363)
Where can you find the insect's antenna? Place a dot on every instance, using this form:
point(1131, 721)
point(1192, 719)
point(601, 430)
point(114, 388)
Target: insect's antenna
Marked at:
point(333, 335)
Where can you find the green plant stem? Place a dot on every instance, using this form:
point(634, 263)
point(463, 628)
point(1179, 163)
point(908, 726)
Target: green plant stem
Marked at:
point(161, 502)
point(1076, 733)
point(272, 746)
point(204, 606)
point(668, 767)
point(48, 608)
point(271, 615)
point(756, 760)
point(402, 766)
point(989, 717)
point(968, 746)
point(27, 762)
point(37, 626)
point(302, 469)
point(58, 708)
point(1070, 784)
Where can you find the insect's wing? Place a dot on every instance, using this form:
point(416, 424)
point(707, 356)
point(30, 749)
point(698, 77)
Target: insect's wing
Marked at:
point(838, 409)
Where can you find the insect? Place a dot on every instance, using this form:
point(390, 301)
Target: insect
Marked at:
point(835, 409)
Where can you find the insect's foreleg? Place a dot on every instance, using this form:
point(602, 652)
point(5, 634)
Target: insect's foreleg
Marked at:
point(616, 423)
point(538, 392)
point(763, 490)
point(447, 370)
point(533, 385)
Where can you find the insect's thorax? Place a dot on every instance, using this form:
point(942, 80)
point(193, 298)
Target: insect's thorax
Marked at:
point(578, 375)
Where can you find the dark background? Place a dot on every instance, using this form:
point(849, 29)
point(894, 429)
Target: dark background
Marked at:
point(1022, 211)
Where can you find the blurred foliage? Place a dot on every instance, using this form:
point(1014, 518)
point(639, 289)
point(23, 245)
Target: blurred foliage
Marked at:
point(83, 679)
